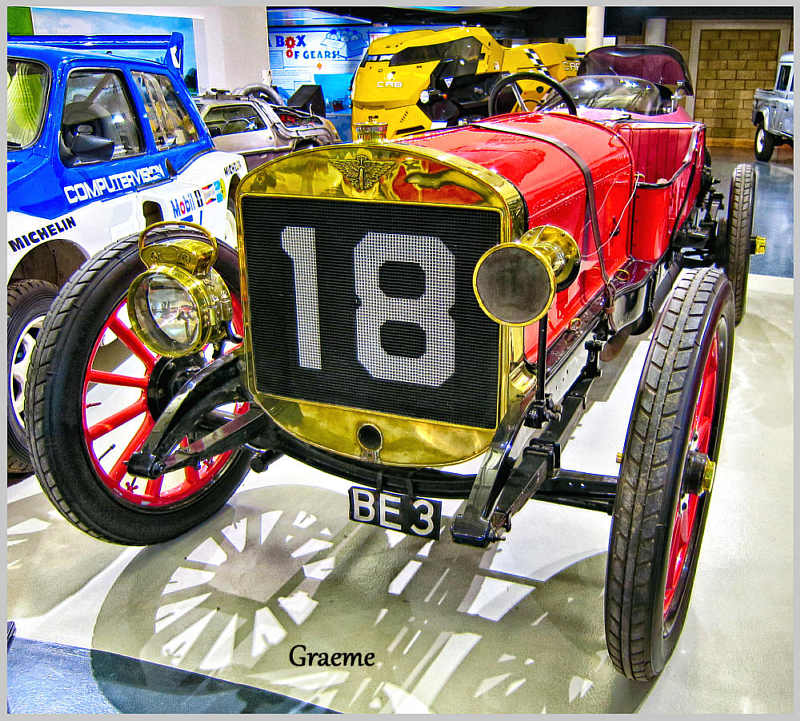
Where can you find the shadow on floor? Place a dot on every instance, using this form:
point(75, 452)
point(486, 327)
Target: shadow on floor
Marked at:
point(53, 678)
point(234, 596)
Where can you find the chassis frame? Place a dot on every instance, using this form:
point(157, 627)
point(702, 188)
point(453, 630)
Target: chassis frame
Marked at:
point(523, 461)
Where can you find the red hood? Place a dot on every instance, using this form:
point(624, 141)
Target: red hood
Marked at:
point(554, 188)
point(544, 174)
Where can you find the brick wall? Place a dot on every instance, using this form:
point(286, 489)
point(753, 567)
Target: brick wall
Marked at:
point(679, 36)
point(731, 65)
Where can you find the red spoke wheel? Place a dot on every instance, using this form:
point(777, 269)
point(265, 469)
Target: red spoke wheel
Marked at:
point(88, 391)
point(660, 510)
point(684, 529)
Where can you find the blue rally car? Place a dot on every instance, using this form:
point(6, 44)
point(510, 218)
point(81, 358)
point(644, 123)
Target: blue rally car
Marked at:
point(100, 145)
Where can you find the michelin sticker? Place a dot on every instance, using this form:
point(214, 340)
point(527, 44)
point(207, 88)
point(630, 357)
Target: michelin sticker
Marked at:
point(50, 230)
point(109, 184)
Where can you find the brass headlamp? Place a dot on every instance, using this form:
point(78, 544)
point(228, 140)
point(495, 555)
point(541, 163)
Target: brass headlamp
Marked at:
point(515, 283)
point(180, 303)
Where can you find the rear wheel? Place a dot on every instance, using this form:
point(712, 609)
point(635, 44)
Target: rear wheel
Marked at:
point(741, 201)
point(90, 400)
point(662, 498)
point(763, 144)
point(28, 303)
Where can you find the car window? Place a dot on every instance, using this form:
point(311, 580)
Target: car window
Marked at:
point(26, 100)
point(783, 77)
point(169, 120)
point(97, 105)
point(231, 119)
point(419, 54)
point(376, 59)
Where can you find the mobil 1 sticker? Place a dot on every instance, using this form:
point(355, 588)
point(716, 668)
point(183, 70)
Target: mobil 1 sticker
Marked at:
point(398, 512)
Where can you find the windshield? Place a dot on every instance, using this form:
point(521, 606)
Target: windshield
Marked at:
point(26, 86)
point(657, 63)
point(610, 93)
point(463, 49)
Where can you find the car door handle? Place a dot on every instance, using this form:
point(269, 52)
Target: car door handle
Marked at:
point(170, 168)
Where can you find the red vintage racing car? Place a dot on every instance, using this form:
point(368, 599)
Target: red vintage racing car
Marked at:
point(397, 307)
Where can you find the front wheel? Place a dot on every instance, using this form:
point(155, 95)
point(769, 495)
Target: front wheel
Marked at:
point(763, 144)
point(93, 394)
point(666, 477)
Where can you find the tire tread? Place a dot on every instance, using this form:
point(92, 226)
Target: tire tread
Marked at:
point(643, 478)
point(740, 216)
point(44, 355)
point(18, 458)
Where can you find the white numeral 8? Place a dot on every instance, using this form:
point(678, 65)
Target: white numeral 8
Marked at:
point(429, 312)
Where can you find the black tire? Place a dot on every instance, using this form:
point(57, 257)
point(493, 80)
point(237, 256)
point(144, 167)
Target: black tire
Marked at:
point(741, 203)
point(63, 457)
point(763, 143)
point(28, 303)
point(643, 615)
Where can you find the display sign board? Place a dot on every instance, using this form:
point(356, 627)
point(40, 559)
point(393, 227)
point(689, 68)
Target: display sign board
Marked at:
point(326, 56)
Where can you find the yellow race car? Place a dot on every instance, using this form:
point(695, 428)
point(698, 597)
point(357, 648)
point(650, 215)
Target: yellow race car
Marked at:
point(427, 79)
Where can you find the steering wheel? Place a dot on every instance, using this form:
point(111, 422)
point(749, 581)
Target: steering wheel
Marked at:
point(512, 80)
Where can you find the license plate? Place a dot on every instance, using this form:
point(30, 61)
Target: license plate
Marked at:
point(399, 512)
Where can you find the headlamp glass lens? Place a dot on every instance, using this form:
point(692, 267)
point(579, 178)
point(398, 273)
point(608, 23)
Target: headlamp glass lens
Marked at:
point(513, 285)
point(173, 310)
point(167, 313)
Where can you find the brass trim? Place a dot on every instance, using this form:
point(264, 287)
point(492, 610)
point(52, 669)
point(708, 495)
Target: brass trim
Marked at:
point(313, 173)
point(360, 172)
point(709, 471)
point(209, 294)
point(555, 250)
point(195, 257)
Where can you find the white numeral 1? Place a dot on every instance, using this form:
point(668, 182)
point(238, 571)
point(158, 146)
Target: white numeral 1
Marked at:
point(301, 246)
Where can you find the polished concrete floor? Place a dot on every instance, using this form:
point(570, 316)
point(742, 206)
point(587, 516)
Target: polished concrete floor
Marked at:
point(206, 622)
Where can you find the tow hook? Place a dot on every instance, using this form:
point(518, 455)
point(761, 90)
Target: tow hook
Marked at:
point(699, 473)
point(758, 245)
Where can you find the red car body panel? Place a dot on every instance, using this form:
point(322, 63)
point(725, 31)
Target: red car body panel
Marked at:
point(554, 190)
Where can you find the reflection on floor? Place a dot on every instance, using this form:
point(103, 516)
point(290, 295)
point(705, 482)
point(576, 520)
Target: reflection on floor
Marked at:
point(515, 628)
point(774, 210)
point(97, 682)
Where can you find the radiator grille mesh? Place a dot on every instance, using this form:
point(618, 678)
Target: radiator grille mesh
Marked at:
point(387, 319)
